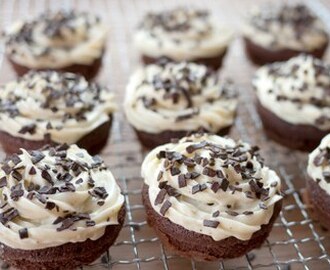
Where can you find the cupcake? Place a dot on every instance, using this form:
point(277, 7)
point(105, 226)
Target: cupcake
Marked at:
point(277, 33)
point(48, 107)
point(166, 100)
point(318, 183)
point(182, 34)
point(293, 101)
point(60, 208)
point(208, 197)
point(66, 41)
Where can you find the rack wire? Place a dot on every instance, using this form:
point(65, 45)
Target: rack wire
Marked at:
point(297, 240)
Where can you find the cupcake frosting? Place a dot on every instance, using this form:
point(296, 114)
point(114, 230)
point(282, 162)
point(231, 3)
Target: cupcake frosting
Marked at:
point(56, 40)
point(60, 106)
point(285, 27)
point(319, 164)
point(212, 185)
point(297, 91)
point(179, 96)
point(181, 34)
point(54, 196)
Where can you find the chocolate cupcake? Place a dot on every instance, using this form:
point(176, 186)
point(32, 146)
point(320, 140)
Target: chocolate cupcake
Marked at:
point(318, 183)
point(209, 197)
point(60, 208)
point(66, 41)
point(277, 33)
point(166, 100)
point(182, 34)
point(293, 101)
point(48, 107)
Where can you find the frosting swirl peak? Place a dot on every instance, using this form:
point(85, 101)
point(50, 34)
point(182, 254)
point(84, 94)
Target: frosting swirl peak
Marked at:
point(288, 26)
point(297, 90)
point(179, 96)
point(56, 40)
point(211, 185)
point(54, 196)
point(63, 106)
point(181, 34)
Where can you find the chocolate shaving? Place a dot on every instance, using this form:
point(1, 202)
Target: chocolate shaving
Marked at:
point(45, 175)
point(3, 181)
point(182, 181)
point(36, 156)
point(28, 129)
point(216, 214)
point(32, 171)
point(23, 233)
point(210, 223)
point(175, 171)
point(166, 205)
point(209, 172)
point(160, 196)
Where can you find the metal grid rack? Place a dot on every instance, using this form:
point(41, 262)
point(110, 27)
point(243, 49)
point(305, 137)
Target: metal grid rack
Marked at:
point(297, 240)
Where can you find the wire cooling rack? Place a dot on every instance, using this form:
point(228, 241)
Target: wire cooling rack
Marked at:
point(297, 241)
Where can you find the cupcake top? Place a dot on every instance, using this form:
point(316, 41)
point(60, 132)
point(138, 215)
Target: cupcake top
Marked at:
point(297, 91)
point(60, 106)
point(212, 185)
point(181, 34)
point(179, 96)
point(56, 40)
point(293, 27)
point(54, 196)
point(319, 164)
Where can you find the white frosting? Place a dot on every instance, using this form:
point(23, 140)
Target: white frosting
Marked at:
point(318, 163)
point(39, 220)
point(181, 34)
point(56, 40)
point(41, 98)
point(285, 27)
point(297, 91)
point(213, 102)
point(190, 210)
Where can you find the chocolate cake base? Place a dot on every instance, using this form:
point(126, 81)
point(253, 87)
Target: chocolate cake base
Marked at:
point(301, 137)
point(88, 71)
point(92, 142)
point(211, 62)
point(321, 202)
point(261, 56)
point(198, 246)
point(67, 256)
point(152, 140)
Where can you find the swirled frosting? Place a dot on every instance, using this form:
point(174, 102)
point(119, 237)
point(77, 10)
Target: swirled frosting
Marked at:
point(56, 40)
point(319, 164)
point(181, 34)
point(54, 196)
point(179, 96)
point(297, 91)
point(211, 185)
point(285, 27)
point(62, 106)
